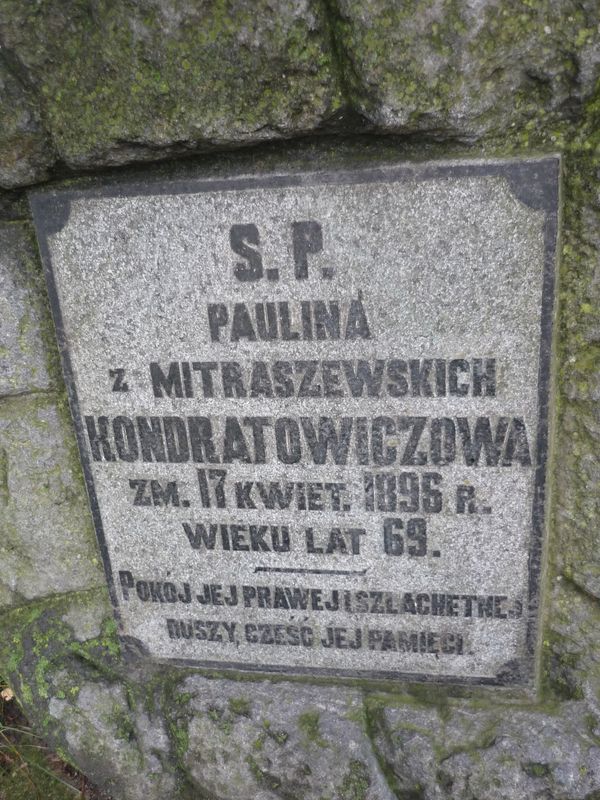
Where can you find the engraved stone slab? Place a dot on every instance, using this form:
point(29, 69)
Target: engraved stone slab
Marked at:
point(312, 411)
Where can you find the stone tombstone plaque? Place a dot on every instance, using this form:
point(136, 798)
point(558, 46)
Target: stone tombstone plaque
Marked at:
point(312, 411)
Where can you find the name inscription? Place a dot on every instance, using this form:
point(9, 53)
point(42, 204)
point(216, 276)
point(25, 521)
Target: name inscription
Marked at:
point(303, 401)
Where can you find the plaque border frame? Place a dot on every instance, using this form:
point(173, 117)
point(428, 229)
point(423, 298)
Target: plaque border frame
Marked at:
point(534, 181)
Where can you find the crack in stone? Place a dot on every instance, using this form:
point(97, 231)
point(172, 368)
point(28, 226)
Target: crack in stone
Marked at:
point(4, 490)
point(580, 589)
point(6, 398)
point(58, 597)
point(385, 770)
point(345, 71)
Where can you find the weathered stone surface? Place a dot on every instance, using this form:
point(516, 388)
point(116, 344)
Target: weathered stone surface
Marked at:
point(578, 468)
point(25, 327)
point(267, 741)
point(100, 83)
point(466, 69)
point(519, 78)
point(460, 753)
point(110, 741)
point(118, 81)
point(47, 543)
point(571, 646)
point(25, 147)
point(187, 737)
point(143, 731)
point(76, 698)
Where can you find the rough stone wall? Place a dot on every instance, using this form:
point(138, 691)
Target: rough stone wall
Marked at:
point(93, 84)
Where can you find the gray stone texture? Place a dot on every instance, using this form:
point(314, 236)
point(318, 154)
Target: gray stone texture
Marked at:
point(130, 81)
point(26, 150)
point(47, 544)
point(269, 741)
point(470, 68)
point(100, 83)
point(144, 731)
point(578, 468)
point(92, 83)
point(25, 360)
point(106, 738)
point(521, 753)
